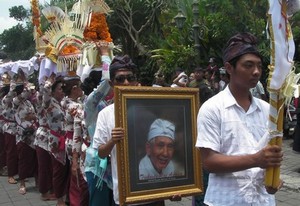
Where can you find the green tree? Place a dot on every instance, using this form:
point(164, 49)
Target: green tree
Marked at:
point(134, 21)
point(218, 21)
point(146, 30)
point(62, 4)
point(18, 12)
point(135, 25)
point(17, 42)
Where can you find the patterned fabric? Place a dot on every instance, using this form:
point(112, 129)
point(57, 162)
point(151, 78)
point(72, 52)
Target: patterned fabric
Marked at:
point(73, 117)
point(1, 119)
point(42, 133)
point(25, 117)
point(55, 122)
point(241, 43)
point(96, 167)
point(8, 113)
point(95, 102)
point(121, 62)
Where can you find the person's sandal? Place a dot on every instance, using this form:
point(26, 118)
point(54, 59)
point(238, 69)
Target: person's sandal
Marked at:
point(12, 180)
point(48, 197)
point(22, 190)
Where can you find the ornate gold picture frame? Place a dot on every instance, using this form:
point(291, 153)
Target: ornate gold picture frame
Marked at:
point(136, 108)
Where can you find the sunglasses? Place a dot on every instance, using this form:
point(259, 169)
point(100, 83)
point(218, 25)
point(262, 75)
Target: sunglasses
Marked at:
point(121, 78)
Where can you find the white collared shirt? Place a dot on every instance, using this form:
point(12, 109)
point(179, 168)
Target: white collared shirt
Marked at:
point(105, 124)
point(227, 128)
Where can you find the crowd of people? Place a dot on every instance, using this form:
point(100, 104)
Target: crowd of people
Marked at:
point(63, 132)
point(210, 80)
point(46, 133)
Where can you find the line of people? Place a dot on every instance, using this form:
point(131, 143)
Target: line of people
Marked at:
point(46, 133)
point(66, 139)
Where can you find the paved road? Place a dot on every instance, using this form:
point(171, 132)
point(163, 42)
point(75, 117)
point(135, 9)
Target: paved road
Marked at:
point(289, 195)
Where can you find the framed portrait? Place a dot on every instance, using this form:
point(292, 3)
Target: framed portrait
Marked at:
point(157, 158)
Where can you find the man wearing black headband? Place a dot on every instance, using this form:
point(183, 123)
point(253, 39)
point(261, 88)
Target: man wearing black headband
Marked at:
point(122, 73)
point(233, 132)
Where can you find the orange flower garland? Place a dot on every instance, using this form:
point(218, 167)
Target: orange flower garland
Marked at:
point(36, 16)
point(70, 49)
point(98, 29)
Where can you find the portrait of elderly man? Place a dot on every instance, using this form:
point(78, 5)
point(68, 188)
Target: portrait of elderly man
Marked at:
point(157, 163)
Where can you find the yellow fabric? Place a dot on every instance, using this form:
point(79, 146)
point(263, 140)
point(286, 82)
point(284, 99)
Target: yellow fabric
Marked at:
point(51, 53)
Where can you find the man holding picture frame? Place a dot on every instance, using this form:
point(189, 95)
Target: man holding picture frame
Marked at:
point(122, 73)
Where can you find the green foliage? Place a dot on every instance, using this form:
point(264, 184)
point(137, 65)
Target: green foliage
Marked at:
point(19, 13)
point(218, 21)
point(132, 23)
point(170, 47)
point(61, 4)
point(17, 42)
point(225, 18)
point(146, 30)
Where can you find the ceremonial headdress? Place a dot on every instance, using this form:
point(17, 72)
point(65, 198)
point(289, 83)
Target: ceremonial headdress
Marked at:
point(53, 14)
point(240, 44)
point(121, 62)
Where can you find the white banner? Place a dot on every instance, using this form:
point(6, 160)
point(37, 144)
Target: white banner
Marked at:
point(282, 44)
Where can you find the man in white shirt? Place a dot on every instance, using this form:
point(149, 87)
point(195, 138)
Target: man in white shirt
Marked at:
point(122, 73)
point(232, 133)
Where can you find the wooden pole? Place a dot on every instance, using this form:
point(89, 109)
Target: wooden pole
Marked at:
point(278, 140)
point(272, 176)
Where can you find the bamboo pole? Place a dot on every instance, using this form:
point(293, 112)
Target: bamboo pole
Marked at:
point(276, 174)
point(272, 176)
point(270, 170)
point(274, 104)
